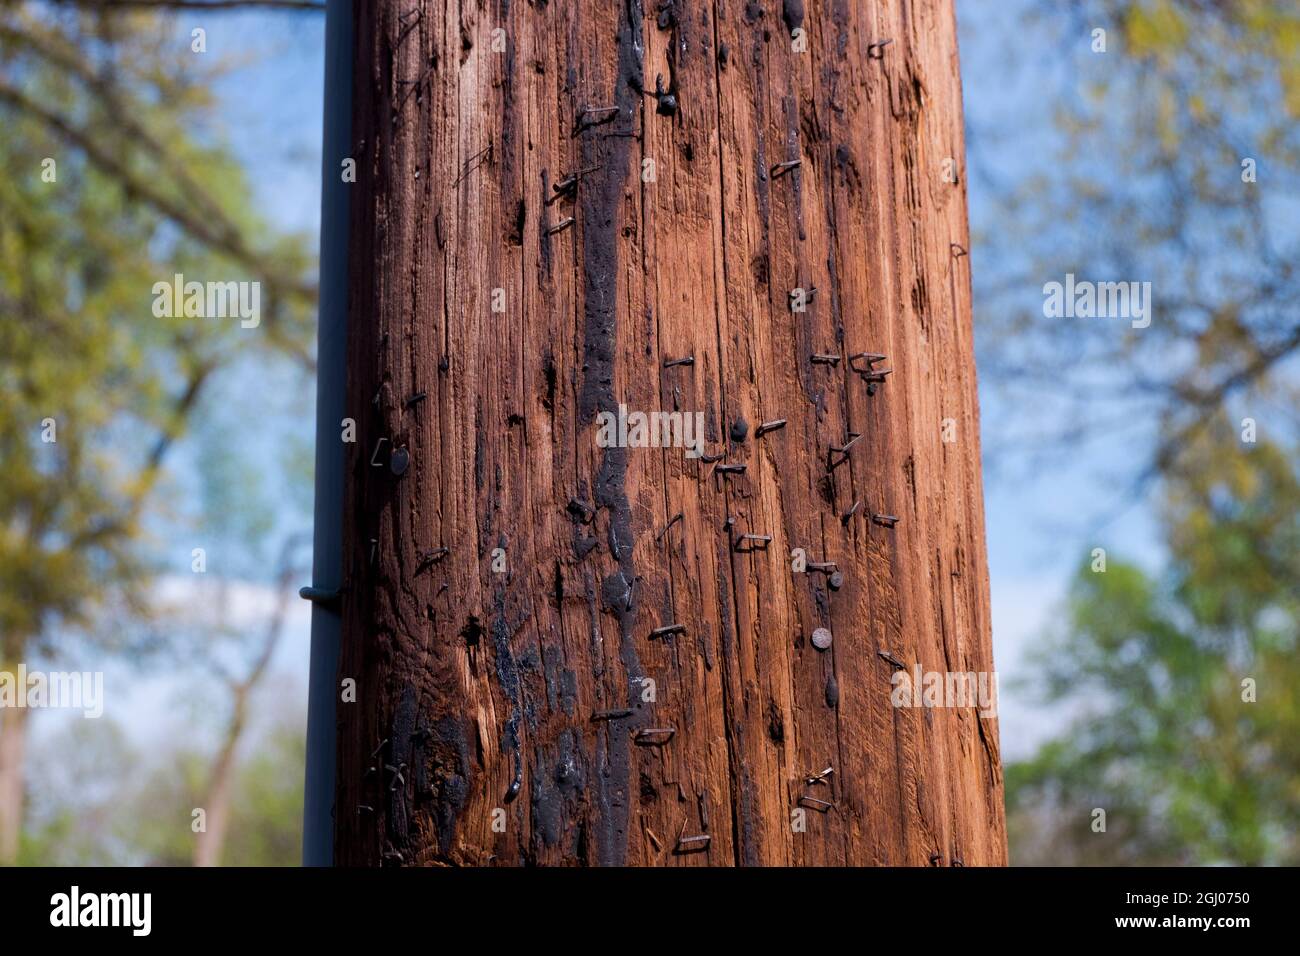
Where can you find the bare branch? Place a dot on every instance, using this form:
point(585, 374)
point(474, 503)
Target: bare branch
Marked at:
point(1206, 400)
point(220, 235)
point(148, 477)
point(57, 51)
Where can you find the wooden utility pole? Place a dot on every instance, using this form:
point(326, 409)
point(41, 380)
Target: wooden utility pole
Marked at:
point(569, 653)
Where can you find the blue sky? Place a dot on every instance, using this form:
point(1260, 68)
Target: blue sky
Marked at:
point(1041, 522)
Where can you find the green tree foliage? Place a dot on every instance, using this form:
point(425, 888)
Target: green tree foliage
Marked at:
point(138, 197)
point(116, 177)
point(266, 823)
point(79, 822)
point(1158, 672)
point(1174, 160)
point(1172, 156)
point(113, 804)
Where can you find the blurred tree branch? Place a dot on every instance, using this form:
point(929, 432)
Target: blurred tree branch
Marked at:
point(140, 195)
point(219, 786)
point(220, 235)
point(1144, 182)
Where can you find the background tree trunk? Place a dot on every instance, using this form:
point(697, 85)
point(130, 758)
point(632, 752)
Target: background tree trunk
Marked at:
point(218, 796)
point(209, 843)
point(540, 698)
point(13, 747)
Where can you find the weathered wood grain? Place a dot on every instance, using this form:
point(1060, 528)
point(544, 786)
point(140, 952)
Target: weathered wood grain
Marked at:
point(502, 716)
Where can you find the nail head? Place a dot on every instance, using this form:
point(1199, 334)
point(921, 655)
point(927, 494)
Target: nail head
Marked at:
point(401, 458)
